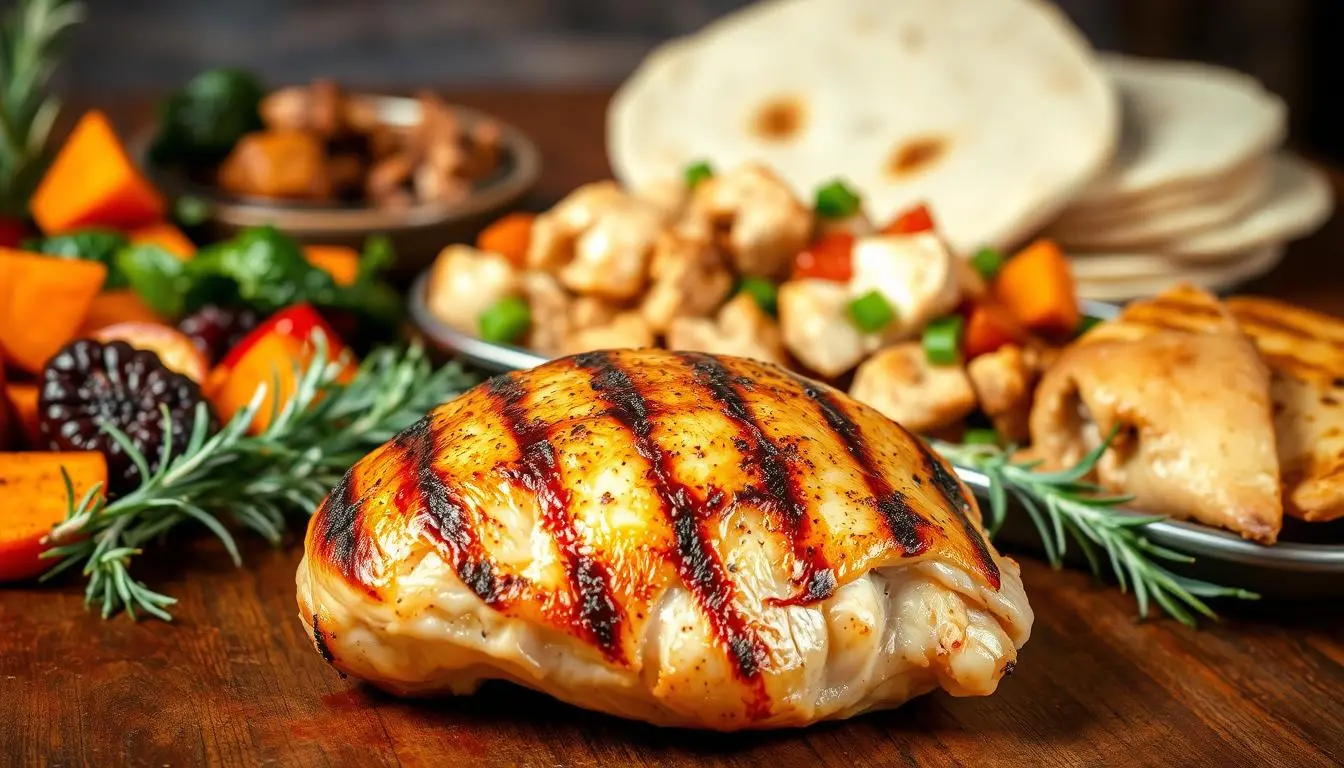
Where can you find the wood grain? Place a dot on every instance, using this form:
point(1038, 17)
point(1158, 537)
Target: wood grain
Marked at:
point(235, 682)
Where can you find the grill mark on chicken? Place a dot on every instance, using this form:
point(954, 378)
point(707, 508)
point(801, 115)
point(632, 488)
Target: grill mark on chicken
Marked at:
point(445, 514)
point(782, 495)
point(338, 524)
point(599, 617)
point(950, 489)
point(906, 525)
point(696, 561)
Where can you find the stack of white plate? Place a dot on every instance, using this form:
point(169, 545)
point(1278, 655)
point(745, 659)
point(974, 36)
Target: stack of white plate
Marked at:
point(1199, 190)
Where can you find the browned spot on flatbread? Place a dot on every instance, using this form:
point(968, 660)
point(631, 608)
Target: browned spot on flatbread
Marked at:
point(780, 118)
point(916, 155)
point(912, 39)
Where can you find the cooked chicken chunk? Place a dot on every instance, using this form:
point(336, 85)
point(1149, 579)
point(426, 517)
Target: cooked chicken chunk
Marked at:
point(689, 279)
point(1196, 435)
point(914, 273)
point(752, 215)
point(1004, 383)
point(678, 538)
point(627, 330)
point(904, 386)
point(278, 163)
point(598, 240)
point(816, 329)
point(551, 307)
point(465, 282)
point(742, 329)
point(1305, 353)
point(671, 196)
point(590, 312)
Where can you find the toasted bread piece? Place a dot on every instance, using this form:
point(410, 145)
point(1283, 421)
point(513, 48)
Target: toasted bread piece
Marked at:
point(1305, 352)
point(1190, 397)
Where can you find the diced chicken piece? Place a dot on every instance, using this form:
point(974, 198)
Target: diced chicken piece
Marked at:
point(754, 216)
point(599, 240)
point(280, 163)
point(465, 282)
point(551, 307)
point(816, 329)
point(1004, 380)
point(627, 331)
point(671, 196)
point(916, 274)
point(689, 280)
point(590, 311)
point(742, 329)
point(900, 382)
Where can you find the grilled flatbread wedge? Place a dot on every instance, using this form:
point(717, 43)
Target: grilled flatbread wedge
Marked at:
point(1305, 353)
point(1190, 399)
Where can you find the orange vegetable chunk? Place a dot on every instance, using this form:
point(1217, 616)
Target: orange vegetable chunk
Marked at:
point(339, 261)
point(93, 183)
point(166, 236)
point(1036, 286)
point(508, 236)
point(22, 397)
point(271, 356)
point(986, 331)
point(43, 302)
point(119, 306)
point(35, 501)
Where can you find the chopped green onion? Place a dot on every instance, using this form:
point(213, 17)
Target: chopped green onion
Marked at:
point(871, 312)
point(987, 262)
point(190, 211)
point(837, 201)
point(979, 436)
point(942, 340)
point(1086, 323)
point(763, 291)
point(697, 172)
point(505, 321)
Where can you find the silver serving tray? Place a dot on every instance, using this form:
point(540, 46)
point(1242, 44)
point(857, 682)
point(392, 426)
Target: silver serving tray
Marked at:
point(1307, 563)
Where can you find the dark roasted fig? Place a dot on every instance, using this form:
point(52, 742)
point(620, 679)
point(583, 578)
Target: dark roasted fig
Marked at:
point(89, 383)
point(215, 330)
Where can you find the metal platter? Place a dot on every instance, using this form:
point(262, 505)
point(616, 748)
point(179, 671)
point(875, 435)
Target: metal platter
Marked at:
point(1307, 563)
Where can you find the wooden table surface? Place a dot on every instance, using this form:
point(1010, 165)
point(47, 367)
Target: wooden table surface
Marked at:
point(234, 680)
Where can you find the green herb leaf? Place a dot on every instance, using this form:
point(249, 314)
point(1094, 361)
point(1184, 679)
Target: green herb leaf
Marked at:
point(697, 172)
point(1086, 323)
point(505, 321)
point(980, 436)
point(201, 123)
point(987, 262)
point(837, 201)
point(252, 481)
point(871, 312)
point(942, 340)
point(156, 275)
point(763, 291)
point(100, 245)
point(190, 211)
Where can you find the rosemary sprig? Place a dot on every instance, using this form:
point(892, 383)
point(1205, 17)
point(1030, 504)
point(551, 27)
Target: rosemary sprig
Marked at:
point(30, 40)
point(251, 480)
point(1064, 502)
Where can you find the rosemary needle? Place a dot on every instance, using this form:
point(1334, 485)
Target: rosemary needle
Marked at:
point(1064, 505)
point(253, 481)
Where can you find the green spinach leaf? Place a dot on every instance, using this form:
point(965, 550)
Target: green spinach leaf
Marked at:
point(200, 123)
point(100, 245)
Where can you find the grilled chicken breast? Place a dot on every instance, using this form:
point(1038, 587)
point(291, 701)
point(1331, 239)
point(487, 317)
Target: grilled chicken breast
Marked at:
point(1196, 436)
point(1304, 351)
point(679, 538)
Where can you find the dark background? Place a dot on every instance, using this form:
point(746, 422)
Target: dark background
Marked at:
point(134, 47)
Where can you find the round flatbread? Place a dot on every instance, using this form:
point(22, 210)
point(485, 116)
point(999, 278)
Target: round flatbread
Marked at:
point(994, 112)
point(1183, 123)
point(1248, 266)
point(1157, 203)
point(1143, 232)
point(1299, 201)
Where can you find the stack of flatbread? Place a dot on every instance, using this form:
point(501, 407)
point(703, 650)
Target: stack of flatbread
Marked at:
point(999, 116)
point(1199, 191)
